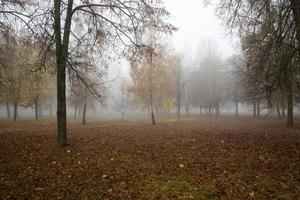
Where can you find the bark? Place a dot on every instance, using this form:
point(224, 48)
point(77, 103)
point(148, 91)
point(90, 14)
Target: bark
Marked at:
point(84, 114)
point(15, 110)
point(283, 112)
point(236, 108)
point(295, 6)
point(36, 107)
point(8, 110)
point(290, 116)
point(258, 108)
point(152, 116)
point(61, 50)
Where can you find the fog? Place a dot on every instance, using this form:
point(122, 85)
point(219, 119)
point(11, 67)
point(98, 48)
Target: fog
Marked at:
point(200, 66)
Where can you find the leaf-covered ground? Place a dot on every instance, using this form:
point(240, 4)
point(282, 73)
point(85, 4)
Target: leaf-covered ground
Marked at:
point(191, 159)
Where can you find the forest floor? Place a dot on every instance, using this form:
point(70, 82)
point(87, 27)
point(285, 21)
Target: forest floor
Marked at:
point(204, 158)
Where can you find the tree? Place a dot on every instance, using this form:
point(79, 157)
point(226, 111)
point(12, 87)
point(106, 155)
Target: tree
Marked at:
point(152, 72)
point(205, 81)
point(270, 35)
point(14, 72)
point(179, 82)
point(118, 22)
point(122, 101)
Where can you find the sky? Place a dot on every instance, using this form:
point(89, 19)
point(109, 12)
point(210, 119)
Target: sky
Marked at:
point(197, 22)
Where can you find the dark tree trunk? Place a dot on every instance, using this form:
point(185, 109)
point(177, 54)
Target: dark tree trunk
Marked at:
point(200, 111)
point(290, 116)
point(40, 106)
point(15, 110)
point(61, 106)
point(8, 110)
point(84, 114)
point(152, 117)
point(36, 107)
point(258, 108)
point(283, 108)
point(62, 48)
point(295, 6)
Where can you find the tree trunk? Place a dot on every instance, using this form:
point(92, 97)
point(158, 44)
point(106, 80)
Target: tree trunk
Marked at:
point(295, 7)
point(84, 114)
point(186, 100)
point(278, 111)
point(8, 110)
point(61, 106)
point(200, 111)
point(283, 108)
point(36, 107)
point(258, 108)
point(290, 116)
point(152, 116)
point(75, 111)
point(15, 110)
point(217, 108)
point(62, 48)
point(254, 109)
point(236, 108)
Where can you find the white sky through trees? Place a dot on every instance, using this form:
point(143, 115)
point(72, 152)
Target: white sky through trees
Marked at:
point(197, 22)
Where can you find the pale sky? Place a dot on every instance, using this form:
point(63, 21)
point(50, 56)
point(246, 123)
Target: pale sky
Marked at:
point(196, 22)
